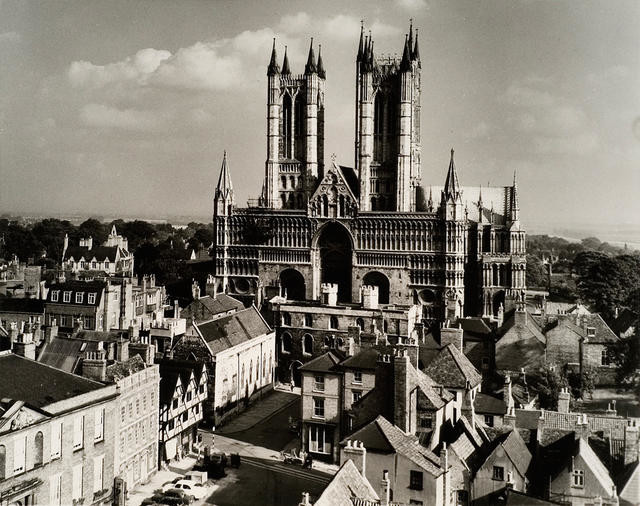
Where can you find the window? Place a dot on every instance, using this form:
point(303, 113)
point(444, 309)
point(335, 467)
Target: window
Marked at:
point(308, 320)
point(196, 409)
point(66, 297)
point(488, 420)
point(333, 322)
point(93, 265)
point(185, 416)
point(426, 422)
point(78, 432)
point(123, 413)
point(76, 485)
point(98, 469)
point(189, 396)
point(604, 358)
point(98, 428)
point(171, 425)
point(286, 319)
point(175, 404)
point(357, 376)
point(56, 439)
point(318, 383)
point(79, 297)
point(355, 395)
point(106, 264)
point(38, 450)
point(91, 298)
point(201, 388)
point(463, 496)
point(286, 345)
point(19, 454)
point(307, 344)
point(498, 473)
point(360, 324)
point(318, 407)
point(577, 478)
point(54, 295)
point(55, 489)
point(591, 332)
point(415, 480)
point(319, 440)
point(82, 264)
point(3, 462)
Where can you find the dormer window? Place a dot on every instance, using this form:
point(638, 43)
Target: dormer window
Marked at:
point(79, 297)
point(591, 332)
point(54, 295)
point(66, 297)
point(93, 264)
point(106, 264)
point(91, 298)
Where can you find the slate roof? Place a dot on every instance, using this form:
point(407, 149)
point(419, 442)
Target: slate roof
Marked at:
point(74, 287)
point(517, 451)
point(232, 330)
point(452, 369)
point(325, 363)
point(100, 253)
point(346, 487)
point(434, 394)
point(64, 353)
point(366, 359)
point(220, 304)
point(382, 433)
point(19, 305)
point(579, 324)
point(351, 178)
point(520, 345)
point(488, 405)
point(39, 384)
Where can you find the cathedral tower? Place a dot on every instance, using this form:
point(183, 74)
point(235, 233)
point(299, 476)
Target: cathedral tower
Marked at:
point(295, 131)
point(223, 203)
point(388, 126)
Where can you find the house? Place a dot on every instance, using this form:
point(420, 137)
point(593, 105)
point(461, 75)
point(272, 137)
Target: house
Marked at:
point(416, 475)
point(348, 487)
point(112, 258)
point(359, 378)
point(95, 305)
point(183, 390)
point(490, 409)
point(207, 308)
point(478, 339)
point(521, 343)
point(630, 486)
point(57, 435)
point(505, 465)
point(239, 350)
point(21, 312)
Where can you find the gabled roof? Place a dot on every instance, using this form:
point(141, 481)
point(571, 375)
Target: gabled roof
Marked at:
point(64, 353)
point(232, 330)
point(434, 394)
point(383, 434)
point(629, 486)
point(489, 405)
point(334, 170)
point(474, 325)
point(74, 287)
point(100, 253)
point(579, 323)
point(171, 370)
point(365, 359)
point(220, 304)
point(595, 464)
point(513, 446)
point(521, 345)
point(38, 384)
point(324, 363)
point(452, 369)
point(346, 486)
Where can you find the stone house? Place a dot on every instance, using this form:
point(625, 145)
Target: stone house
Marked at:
point(57, 435)
point(112, 258)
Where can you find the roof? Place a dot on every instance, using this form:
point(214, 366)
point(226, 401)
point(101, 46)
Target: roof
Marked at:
point(345, 486)
point(579, 323)
point(220, 304)
point(515, 498)
point(171, 370)
point(521, 345)
point(366, 359)
point(474, 325)
point(517, 451)
point(390, 438)
point(74, 287)
point(324, 363)
point(452, 369)
point(436, 396)
point(64, 353)
point(39, 384)
point(100, 253)
point(595, 464)
point(232, 330)
point(630, 486)
point(351, 178)
point(489, 405)
point(19, 305)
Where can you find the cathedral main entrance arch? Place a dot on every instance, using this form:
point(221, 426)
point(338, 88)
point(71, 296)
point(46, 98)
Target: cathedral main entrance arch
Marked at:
point(293, 282)
point(335, 251)
point(378, 279)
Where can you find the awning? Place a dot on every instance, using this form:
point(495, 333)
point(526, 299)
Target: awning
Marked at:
point(170, 448)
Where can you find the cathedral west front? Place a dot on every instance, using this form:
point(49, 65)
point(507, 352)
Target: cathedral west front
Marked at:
point(453, 250)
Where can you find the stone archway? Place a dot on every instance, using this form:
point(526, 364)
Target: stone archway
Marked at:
point(335, 247)
point(293, 282)
point(378, 279)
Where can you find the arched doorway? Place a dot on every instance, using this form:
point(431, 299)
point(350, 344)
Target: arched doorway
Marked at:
point(335, 259)
point(381, 281)
point(293, 282)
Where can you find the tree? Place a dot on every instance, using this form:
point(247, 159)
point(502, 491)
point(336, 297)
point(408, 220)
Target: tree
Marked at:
point(582, 382)
point(536, 272)
point(548, 381)
point(92, 228)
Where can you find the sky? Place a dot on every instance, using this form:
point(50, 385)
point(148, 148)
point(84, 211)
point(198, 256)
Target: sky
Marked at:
point(125, 107)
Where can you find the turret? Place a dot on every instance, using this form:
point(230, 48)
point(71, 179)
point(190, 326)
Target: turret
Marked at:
point(224, 190)
point(223, 207)
point(451, 201)
point(286, 70)
point(273, 67)
point(320, 65)
point(515, 206)
point(416, 51)
point(310, 67)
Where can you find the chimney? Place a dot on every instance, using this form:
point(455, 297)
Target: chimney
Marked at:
point(444, 464)
point(356, 451)
point(305, 500)
point(146, 351)
point(329, 294)
point(94, 365)
point(176, 308)
point(122, 350)
point(507, 397)
point(540, 428)
point(630, 454)
point(134, 333)
point(564, 400)
point(582, 427)
point(195, 289)
point(404, 410)
point(24, 345)
point(13, 332)
point(77, 325)
point(51, 331)
point(351, 343)
point(520, 317)
point(451, 335)
point(370, 296)
point(510, 417)
point(386, 489)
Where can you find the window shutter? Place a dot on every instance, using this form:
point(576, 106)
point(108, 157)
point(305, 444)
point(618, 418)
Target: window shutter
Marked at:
point(78, 432)
point(19, 454)
point(77, 482)
point(98, 433)
point(56, 439)
point(55, 485)
point(98, 464)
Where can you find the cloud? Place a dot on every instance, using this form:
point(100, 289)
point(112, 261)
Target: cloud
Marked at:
point(413, 4)
point(9, 37)
point(104, 116)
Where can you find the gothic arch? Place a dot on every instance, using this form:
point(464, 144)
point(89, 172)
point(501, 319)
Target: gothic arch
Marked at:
point(335, 244)
point(378, 279)
point(293, 281)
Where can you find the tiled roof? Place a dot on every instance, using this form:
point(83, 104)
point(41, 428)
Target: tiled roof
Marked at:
point(19, 305)
point(366, 359)
point(324, 363)
point(232, 330)
point(171, 370)
point(580, 322)
point(74, 287)
point(520, 345)
point(487, 404)
point(452, 369)
point(399, 442)
point(372, 437)
point(221, 304)
point(39, 384)
point(595, 464)
point(100, 253)
point(517, 451)
point(346, 486)
point(434, 394)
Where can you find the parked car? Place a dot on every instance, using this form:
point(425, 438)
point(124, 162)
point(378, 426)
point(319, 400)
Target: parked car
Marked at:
point(189, 487)
point(177, 496)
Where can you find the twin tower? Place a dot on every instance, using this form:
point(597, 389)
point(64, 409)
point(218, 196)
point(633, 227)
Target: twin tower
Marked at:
point(387, 129)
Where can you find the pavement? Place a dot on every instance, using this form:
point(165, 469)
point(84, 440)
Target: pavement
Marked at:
point(260, 411)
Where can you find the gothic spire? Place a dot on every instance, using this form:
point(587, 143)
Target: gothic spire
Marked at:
point(452, 185)
point(480, 197)
point(411, 38)
point(310, 67)
point(285, 63)
point(224, 188)
point(515, 206)
point(405, 64)
point(321, 72)
point(416, 50)
point(361, 44)
point(273, 64)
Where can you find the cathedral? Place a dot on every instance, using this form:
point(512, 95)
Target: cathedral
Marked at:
point(453, 250)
